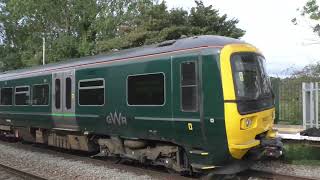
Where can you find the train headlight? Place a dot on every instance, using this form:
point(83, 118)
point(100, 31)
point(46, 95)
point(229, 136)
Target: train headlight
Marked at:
point(246, 123)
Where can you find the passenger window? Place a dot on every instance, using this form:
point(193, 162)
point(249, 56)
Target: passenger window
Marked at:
point(189, 87)
point(22, 96)
point(68, 93)
point(91, 92)
point(57, 93)
point(147, 89)
point(6, 96)
point(40, 94)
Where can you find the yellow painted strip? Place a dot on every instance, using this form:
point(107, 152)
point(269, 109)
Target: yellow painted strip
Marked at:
point(208, 167)
point(245, 146)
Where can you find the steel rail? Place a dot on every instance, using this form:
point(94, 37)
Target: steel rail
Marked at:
point(272, 175)
point(19, 173)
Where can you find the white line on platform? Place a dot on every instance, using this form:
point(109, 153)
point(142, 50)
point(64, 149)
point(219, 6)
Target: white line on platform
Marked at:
point(298, 137)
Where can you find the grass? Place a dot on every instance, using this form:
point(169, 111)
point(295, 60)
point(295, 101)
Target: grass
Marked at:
point(306, 162)
point(301, 154)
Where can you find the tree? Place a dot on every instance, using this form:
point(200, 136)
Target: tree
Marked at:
point(311, 11)
point(155, 23)
point(311, 71)
point(87, 27)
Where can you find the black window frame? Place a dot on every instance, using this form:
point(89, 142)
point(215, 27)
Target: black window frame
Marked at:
point(145, 74)
point(243, 104)
point(32, 94)
point(196, 85)
point(91, 87)
point(57, 105)
point(22, 92)
point(68, 93)
point(12, 95)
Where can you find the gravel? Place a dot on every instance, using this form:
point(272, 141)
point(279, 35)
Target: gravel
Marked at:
point(56, 165)
point(53, 166)
point(279, 167)
point(5, 175)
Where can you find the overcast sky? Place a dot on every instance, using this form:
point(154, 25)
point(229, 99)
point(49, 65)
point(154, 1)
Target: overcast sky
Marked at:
point(268, 26)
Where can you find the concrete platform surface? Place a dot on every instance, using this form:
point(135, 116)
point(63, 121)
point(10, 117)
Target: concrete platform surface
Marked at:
point(298, 137)
point(288, 129)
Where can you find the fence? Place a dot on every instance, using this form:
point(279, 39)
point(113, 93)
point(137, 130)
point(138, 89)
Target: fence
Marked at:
point(310, 96)
point(288, 102)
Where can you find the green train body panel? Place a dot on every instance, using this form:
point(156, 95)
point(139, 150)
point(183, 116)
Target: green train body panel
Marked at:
point(142, 119)
point(27, 116)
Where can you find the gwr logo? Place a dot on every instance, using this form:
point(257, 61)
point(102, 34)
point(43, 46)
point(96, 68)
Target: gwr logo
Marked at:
point(116, 119)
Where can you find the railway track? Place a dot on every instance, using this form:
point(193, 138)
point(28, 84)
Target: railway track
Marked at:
point(268, 175)
point(12, 173)
point(154, 172)
point(76, 156)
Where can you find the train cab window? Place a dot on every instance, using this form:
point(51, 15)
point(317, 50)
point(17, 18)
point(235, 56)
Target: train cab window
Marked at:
point(189, 87)
point(68, 93)
point(40, 94)
point(146, 90)
point(6, 96)
point(22, 96)
point(57, 93)
point(91, 92)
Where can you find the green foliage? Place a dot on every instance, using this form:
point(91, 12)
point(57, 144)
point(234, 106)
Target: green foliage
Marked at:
point(155, 23)
point(301, 154)
point(10, 58)
point(311, 10)
point(309, 72)
point(87, 27)
point(290, 101)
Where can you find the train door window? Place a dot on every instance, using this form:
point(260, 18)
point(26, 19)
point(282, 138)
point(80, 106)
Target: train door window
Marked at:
point(22, 96)
point(68, 93)
point(91, 92)
point(6, 96)
point(146, 90)
point(57, 93)
point(189, 87)
point(40, 94)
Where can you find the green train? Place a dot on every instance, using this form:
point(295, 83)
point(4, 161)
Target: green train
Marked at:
point(192, 105)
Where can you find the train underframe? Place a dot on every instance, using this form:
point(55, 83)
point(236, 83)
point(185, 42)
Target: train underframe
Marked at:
point(151, 152)
point(145, 151)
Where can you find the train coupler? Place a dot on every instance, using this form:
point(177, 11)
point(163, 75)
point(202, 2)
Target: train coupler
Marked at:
point(272, 147)
point(268, 148)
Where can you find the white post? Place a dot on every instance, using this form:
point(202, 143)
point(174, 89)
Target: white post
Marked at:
point(316, 101)
point(311, 115)
point(43, 50)
point(304, 108)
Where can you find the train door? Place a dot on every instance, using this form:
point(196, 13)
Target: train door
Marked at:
point(186, 99)
point(63, 100)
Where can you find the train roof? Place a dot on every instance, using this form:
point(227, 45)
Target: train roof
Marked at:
point(166, 46)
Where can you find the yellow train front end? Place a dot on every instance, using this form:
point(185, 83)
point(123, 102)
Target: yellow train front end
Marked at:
point(248, 102)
